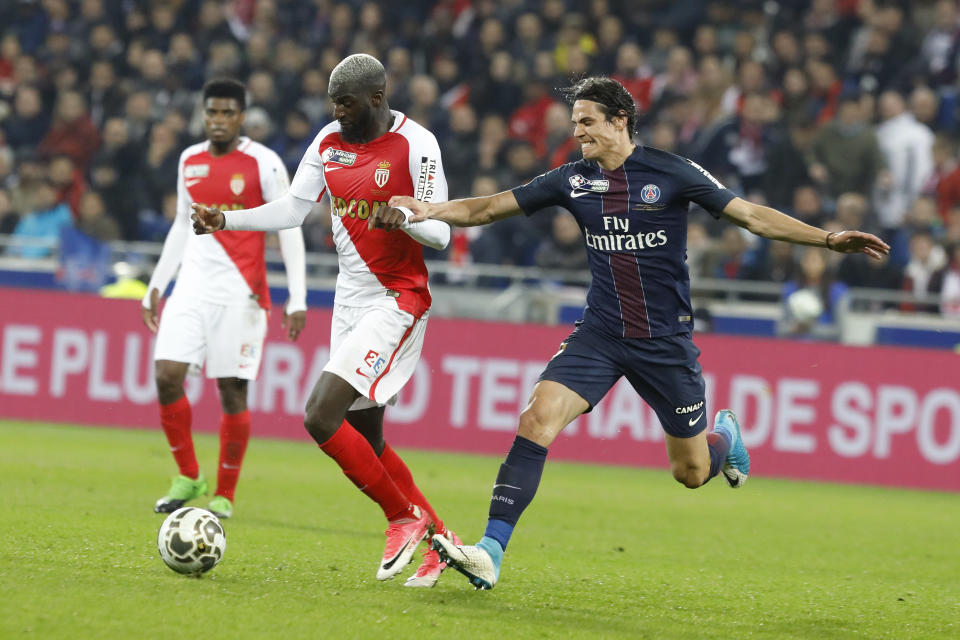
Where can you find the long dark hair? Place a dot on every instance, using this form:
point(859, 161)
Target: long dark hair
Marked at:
point(607, 92)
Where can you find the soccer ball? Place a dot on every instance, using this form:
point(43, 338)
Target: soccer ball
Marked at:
point(191, 541)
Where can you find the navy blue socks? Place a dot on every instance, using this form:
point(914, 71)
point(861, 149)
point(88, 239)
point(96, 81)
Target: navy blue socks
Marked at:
point(516, 485)
point(718, 442)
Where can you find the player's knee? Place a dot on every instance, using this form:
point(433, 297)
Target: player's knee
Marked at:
point(169, 385)
point(536, 426)
point(689, 475)
point(233, 395)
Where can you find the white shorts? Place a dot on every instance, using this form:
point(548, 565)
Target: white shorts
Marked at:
point(376, 350)
point(228, 339)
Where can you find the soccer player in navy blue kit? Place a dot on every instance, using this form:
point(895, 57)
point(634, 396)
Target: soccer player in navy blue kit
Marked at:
point(631, 203)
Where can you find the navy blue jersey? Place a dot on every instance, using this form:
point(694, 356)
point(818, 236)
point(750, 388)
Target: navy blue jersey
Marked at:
point(634, 222)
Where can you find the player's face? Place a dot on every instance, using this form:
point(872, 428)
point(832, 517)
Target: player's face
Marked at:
point(596, 134)
point(222, 119)
point(355, 113)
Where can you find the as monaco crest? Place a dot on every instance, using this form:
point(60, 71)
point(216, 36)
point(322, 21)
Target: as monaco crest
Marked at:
point(382, 174)
point(237, 184)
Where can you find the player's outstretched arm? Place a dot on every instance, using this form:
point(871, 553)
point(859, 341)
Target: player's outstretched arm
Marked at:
point(467, 212)
point(284, 213)
point(770, 223)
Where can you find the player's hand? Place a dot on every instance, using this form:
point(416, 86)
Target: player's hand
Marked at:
point(294, 323)
point(150, 315)
point(859, 242)
point(206, 219)
point(388, 218)
point(421, 210)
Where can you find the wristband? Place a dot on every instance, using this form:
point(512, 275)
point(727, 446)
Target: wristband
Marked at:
point(826, 240)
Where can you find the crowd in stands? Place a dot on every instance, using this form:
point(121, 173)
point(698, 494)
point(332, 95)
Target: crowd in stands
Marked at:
point(843, 113)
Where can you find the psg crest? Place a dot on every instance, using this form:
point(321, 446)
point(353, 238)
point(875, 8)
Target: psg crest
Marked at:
point(237, 184)
point(382, 174)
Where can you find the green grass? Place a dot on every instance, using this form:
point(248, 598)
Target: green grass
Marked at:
point(602, 552)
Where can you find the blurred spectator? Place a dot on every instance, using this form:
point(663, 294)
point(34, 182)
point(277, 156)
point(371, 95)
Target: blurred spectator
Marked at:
point(72, 132)
point(845, 155)
point(776, 263)
point(925, 107)
point(460, 152)
point(313, 97)
point(158, 170)
point(105, 95)
point(815, 296)
point(94, 221)
point(941, 45)
point(496, 91)
point(424, 108)
point(257, 125)
point(8, 217)
point(945, 180)
point(296, 136)
point(731, 254)
point(29, 123)
point(787, 163)
point(633, 74)
point(926, 258)
point(807, 206)
point(863, 272)
point(950, 286)
point(563, 248)
point(68, 181)
point(43, 223)
point(907, 146)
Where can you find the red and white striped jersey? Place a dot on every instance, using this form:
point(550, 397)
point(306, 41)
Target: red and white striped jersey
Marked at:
point(227, 268)
point(376, 267)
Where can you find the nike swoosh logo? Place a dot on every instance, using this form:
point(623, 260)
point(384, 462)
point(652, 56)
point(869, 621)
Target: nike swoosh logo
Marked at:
point(576, 194)
point(693, 422)
point(362, 373)
point(393, 561)
point(508, 486)
point(190, 183)
point(326, 168)
point(229, 466)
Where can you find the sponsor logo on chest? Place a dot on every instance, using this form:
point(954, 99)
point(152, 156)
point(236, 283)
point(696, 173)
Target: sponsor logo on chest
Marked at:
point(581, 186)
point(338, 156)
point(196, 171)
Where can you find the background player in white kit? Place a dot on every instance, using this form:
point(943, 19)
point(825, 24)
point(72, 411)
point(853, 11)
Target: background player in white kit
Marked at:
point(365, 156)
point(217, 313)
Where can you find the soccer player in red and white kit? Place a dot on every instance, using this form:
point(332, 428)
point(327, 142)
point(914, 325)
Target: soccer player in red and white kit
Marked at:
point(366, 155)
point(217, 313)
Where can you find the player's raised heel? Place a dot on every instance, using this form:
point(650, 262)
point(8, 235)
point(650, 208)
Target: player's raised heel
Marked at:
point(432, 566)
point(737, 466)
point(221, 507)
point(472, 561)
point(182, 490)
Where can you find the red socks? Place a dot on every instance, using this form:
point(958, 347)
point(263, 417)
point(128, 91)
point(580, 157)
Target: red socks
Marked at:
point(362, 466)
point(404, 480)
point(175, 419)
point(234, 436)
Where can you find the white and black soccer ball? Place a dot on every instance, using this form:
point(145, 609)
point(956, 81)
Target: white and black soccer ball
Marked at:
point(191, 541)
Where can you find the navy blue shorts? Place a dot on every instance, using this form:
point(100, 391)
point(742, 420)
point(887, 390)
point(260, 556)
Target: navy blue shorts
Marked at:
point(664, 371)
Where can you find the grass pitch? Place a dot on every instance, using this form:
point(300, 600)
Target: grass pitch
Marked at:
point(602, 552)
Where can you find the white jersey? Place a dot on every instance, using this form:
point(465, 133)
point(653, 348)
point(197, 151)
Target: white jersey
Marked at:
point(377, 268)
point(228, 268)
